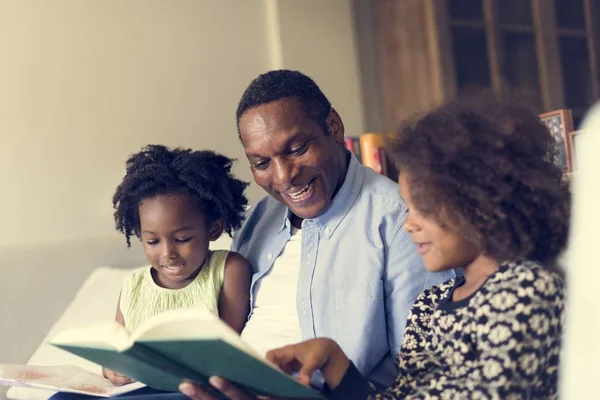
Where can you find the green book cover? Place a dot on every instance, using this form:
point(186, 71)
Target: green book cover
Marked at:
point(178, 345)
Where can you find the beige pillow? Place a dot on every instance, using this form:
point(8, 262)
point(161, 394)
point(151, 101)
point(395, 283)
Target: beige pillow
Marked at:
point(95, 301)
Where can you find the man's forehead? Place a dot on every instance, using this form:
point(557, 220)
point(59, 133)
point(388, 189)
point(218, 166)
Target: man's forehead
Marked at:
point(271, 119)
point(254, 120)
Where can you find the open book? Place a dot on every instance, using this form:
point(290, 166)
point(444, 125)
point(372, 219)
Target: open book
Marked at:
point(64, 378)
point(181, 344)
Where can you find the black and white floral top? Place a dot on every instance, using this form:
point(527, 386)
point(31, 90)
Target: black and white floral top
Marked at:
point(502, 342)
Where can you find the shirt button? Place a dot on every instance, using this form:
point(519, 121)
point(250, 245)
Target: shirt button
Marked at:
point(287, 223)
point(308, 259)
point(327, 231)
point(270, 256)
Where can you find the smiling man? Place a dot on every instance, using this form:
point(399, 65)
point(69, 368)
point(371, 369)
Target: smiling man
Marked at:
point(329, 255)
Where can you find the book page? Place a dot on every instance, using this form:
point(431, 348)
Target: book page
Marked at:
point(61, 378)
point(193, 324)
point(189, 324)
point(109, 335)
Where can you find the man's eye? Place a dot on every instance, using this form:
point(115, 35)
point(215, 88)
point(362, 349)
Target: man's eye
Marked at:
point(261, 164)
point(300, 149)
point(152, 242)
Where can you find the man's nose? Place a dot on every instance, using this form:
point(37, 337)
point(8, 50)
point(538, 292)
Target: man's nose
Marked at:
point(283, 173)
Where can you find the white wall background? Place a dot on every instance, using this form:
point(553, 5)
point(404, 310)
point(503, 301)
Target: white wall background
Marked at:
point(318, 37)
point(85, 83)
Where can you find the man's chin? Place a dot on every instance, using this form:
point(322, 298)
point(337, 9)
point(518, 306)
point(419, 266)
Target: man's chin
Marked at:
point(308, 211)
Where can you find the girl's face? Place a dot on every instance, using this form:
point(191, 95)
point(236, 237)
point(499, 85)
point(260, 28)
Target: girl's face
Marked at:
point(440, 247)
point(175, 237)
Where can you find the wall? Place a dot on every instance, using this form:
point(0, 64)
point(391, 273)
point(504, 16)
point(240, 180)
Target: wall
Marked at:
point(86, 83)
point(318, 37)
point(581, 351)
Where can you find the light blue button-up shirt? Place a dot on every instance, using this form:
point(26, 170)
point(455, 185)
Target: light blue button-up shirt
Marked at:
point(360, 272)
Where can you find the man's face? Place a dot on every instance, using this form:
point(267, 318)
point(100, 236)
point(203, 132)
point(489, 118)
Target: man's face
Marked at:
point(292, 157)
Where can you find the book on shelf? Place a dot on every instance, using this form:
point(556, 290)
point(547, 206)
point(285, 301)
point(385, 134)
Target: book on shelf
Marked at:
point(353, 145)
point(373, 155)
point(183, 344)
point(62, 378)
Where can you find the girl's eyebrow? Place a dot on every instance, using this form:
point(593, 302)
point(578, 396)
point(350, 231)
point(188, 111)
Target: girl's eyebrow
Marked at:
point(183, 228)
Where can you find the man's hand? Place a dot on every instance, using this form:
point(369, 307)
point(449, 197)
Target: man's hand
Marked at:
point(115, 378)
point(196, 392)
point(308, 356)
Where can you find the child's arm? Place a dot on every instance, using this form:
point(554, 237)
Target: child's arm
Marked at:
point(114, 377)
point(517, 348)
point(234, 300)
point(119, 315)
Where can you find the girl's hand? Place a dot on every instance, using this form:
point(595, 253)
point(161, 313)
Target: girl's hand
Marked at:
point(306, 357)
point(232, 392)
point(197, 392)
point(115, 378)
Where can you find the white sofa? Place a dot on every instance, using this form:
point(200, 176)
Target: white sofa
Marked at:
point(38, 282)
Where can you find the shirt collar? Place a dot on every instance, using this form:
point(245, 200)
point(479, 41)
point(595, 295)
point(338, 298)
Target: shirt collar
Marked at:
point(286, 222)
point(343, 199)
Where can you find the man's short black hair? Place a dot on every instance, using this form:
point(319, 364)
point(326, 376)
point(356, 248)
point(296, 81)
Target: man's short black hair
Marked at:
point(279, 84)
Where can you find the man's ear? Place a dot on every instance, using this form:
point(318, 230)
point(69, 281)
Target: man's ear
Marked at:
point(335, 126)
point(215, 230)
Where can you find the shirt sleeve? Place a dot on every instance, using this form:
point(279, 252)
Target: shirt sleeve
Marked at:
point(405, 278)
point(516, 346)
point(352, 386)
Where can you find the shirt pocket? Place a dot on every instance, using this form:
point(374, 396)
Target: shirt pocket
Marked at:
point(371, 292)
point(360, 325)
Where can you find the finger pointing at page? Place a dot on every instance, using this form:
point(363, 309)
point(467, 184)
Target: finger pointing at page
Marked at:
point(307, 357)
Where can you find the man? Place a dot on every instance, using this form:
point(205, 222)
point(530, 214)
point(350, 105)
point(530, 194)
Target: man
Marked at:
point(329, 255)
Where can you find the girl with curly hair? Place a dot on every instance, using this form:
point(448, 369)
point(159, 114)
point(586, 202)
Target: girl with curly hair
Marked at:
point(485, 195)
point(176, 201)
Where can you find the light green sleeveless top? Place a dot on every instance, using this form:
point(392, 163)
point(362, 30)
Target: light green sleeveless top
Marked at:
point(141, 298)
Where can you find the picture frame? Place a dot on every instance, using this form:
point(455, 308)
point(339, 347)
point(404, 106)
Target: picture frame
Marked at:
point(574, 137)
point(560, 125)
